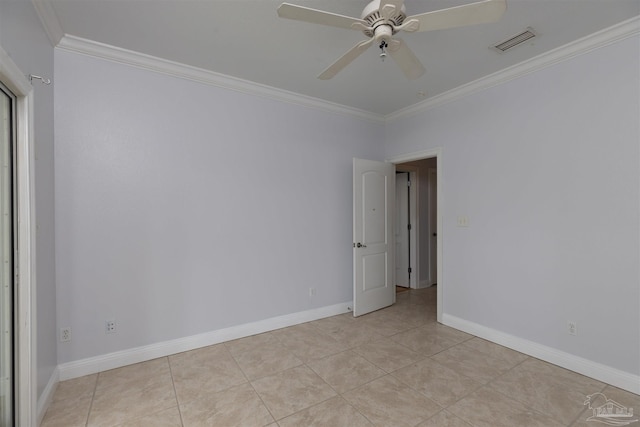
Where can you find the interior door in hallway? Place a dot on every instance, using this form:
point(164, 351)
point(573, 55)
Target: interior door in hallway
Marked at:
point(373, 249)
point(402, 236)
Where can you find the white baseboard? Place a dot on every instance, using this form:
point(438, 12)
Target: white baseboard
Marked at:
point(47, 395)
point(118, 359)
point(621, 379)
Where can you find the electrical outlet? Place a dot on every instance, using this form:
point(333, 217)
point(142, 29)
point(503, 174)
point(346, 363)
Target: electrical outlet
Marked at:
point(312, 292)
point(572, 328)
point(110, 326)
point(65, 334)
point(463, 221)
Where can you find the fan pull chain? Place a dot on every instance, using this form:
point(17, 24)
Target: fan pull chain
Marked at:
point(383, 51)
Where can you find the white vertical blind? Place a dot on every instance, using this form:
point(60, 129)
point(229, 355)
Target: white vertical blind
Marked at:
point(7, 129)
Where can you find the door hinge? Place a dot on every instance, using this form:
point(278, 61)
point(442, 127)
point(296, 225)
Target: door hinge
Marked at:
point(408, 183)
point(409, 270)
point(409, 226)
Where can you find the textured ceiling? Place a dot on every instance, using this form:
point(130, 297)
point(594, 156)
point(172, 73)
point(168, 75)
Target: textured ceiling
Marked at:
point(247, 40)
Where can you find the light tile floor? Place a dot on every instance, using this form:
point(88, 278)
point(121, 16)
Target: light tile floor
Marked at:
point(394, 367)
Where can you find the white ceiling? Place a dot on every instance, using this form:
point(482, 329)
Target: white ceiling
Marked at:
point(247, 40)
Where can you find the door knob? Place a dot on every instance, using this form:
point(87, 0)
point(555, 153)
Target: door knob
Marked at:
point(360, 245)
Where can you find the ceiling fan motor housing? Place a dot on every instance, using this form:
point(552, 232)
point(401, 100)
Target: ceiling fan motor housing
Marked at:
point(381, 30)
point(383, 33)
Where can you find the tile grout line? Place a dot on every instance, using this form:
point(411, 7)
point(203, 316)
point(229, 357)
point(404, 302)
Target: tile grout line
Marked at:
point(497, 377)
point(480, 384)
point(356, 409)
point(388, 374)
point(251, 383)
point(469, 423)
point(175, 392)
point(524, 403)
point(443, 407)
point(93, 396)
point(338, 394)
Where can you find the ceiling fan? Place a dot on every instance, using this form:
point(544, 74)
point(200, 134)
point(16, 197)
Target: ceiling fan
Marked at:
point(382, 19)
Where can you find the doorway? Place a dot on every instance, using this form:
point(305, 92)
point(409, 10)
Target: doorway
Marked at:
point(403, 237)
point(416, 225)
point(406, 240)
point(425, 229)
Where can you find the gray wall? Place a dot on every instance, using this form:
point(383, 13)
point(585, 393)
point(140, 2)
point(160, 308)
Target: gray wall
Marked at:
point(183, 208)
point(546, 167)
point(23, 38)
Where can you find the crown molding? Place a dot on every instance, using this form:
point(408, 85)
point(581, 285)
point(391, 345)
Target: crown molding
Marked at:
point(581, 46)
point(49, 20)
point(176, 69)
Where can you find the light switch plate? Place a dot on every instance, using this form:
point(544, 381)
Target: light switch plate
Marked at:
point(463, 221)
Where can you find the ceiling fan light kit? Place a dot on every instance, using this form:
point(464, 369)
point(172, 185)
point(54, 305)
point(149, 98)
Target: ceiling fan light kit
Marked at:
point(381, 20)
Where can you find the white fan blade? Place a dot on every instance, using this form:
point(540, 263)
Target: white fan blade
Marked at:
point(361, 27)
point(300, 13)
point(406, 59)
point(409, 26)
point(389, 7)
point(482, 12)
point(345, 60)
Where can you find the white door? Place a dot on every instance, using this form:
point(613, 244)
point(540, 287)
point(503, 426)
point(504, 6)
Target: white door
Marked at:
point(373, 250)
point(403, 259)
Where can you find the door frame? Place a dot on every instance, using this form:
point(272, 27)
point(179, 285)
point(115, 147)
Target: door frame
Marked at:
point(437, 154)
point(414, 248)
point(26, 378)
point(433, 279)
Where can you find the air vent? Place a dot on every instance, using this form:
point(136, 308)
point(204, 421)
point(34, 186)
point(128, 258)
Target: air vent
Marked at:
point(514, 41)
